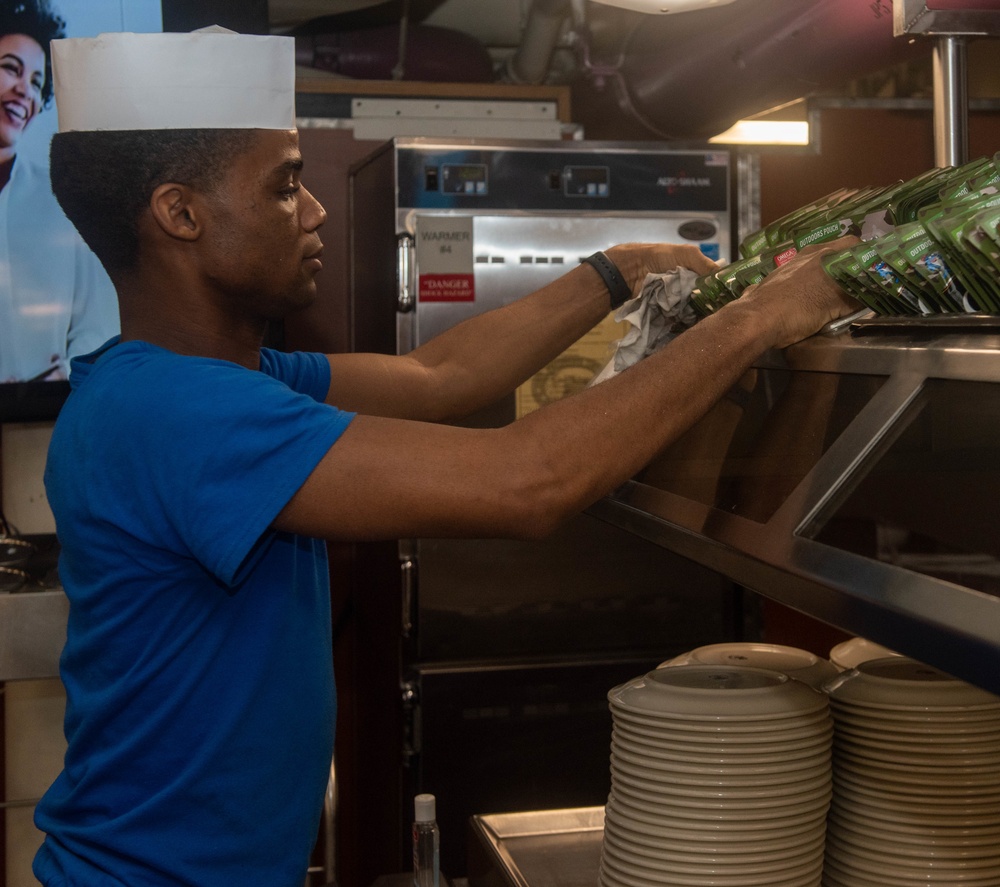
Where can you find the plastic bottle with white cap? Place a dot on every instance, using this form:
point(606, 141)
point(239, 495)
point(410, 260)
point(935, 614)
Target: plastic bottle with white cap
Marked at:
point(426, 842)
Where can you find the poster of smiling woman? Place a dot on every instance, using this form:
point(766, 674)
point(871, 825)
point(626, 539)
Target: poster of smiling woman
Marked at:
point(55, 299)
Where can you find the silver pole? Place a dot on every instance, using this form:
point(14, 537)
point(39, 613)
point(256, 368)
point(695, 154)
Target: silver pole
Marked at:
point(747, 210)
point(951, 102)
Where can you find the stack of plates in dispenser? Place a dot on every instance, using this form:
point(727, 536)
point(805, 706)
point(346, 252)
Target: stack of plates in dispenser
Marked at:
point(851, 653)
point(720, 777)
point(916, 779)
point(799, 664)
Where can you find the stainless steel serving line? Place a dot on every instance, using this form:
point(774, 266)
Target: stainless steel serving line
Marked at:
point(859, 485)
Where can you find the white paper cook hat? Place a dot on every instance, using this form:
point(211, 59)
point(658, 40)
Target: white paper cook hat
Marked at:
point(208, 79)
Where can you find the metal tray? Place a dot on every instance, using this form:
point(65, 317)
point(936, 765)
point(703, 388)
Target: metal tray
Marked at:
point(538, 848)
point(871, 324)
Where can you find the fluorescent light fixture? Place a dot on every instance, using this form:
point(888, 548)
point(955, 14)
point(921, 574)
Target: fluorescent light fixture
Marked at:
point(665, 7)
point(764, 132)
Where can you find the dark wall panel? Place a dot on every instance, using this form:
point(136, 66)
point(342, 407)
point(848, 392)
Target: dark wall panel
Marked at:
point(245, 16)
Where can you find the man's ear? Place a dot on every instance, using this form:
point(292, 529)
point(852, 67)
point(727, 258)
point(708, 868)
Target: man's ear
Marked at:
point(172, 207)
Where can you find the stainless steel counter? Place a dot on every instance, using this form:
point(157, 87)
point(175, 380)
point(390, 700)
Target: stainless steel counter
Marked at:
point(857, 482)
point(32, 634)
point(539, 848)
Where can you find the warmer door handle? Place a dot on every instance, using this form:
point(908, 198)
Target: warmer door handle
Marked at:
point(407, 295)
point(408, 577)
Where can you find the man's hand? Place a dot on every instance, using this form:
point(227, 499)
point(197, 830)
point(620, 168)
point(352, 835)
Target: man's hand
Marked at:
point(801, 297)
point(636, 260)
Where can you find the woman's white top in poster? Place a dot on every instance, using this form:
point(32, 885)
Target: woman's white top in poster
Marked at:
point(56, 301)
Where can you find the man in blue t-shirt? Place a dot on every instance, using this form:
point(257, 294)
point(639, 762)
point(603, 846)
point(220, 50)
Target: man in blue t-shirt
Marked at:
point(192, 471)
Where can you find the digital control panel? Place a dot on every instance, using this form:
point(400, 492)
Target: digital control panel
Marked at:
point(586, 181)
point(565, 178)
point(465, 178)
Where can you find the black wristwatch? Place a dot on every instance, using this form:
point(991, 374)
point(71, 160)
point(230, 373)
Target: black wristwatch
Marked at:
point(617, 286)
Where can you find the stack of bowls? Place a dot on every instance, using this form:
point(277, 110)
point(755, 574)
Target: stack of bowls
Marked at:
point(799, 664)
point(916, 796)
point(720, 777)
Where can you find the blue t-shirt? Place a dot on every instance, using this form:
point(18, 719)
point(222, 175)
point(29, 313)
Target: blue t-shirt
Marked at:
point(198, 665)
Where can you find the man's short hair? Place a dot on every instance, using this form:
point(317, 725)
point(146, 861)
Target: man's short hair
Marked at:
point(37, 20)
point(103, 180)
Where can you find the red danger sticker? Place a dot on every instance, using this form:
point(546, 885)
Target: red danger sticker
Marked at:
point(446, 288)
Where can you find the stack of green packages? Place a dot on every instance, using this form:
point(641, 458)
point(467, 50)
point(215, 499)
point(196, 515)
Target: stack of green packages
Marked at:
point(930, 245)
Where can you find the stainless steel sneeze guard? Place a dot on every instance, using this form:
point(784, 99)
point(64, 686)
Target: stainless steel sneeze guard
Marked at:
point(864, 491)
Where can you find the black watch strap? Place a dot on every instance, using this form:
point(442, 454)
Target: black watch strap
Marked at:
point(617, 286)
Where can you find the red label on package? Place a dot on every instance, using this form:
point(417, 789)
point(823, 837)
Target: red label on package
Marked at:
point(785, 256)
point(446, 288)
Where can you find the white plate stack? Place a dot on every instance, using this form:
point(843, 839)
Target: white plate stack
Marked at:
point(852, 652)
point(916, 779)
point(799, 664)
point(720, 777)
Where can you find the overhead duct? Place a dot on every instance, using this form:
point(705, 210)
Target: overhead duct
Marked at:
point(693, 75)
point(530, 62)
